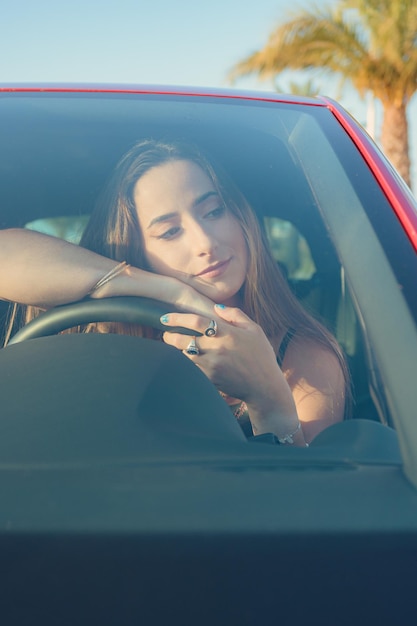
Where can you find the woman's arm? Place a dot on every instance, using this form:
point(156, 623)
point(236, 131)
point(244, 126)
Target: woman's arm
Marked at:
point(317, 383)
point(294, 404)
point(47, 271)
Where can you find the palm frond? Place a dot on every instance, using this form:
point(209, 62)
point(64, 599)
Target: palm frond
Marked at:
point(372, 43)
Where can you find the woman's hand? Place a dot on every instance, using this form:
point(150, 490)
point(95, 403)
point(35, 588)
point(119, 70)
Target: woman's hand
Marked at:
point(187, 298)
point(240, 361)
point(237, 359)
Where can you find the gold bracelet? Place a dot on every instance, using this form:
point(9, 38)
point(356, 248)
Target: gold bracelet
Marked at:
point(115, 271)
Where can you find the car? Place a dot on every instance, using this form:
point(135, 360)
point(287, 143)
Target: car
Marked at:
point(129, 494)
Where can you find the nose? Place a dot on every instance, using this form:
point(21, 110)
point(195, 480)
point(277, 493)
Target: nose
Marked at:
point(203, 242)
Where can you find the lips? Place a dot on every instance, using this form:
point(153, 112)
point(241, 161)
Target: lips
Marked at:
point(212, 271)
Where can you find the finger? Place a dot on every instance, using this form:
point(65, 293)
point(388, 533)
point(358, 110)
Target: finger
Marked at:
point(174, 340)
point(233, 315)
point(182, 342)
point(196, 323)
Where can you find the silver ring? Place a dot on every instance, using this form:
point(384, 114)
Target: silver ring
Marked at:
point(192, 348)
point(211, 330)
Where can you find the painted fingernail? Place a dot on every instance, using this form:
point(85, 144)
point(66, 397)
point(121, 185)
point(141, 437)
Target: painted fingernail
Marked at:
point(220, 306)
point(164, 319)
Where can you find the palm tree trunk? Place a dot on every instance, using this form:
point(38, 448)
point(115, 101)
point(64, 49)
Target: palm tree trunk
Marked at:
point(394, 138)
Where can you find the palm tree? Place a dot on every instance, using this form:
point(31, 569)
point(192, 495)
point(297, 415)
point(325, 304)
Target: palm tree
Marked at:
point(371, 43)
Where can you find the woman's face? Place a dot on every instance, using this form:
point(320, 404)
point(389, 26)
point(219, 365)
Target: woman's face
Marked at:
point(187, 231)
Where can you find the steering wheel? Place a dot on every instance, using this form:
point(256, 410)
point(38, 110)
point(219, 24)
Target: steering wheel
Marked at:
point(365, 436)
point(104, 397)
point(127, 309)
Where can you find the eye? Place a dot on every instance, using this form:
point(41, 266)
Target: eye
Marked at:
point(214, 213)
point(170, 233)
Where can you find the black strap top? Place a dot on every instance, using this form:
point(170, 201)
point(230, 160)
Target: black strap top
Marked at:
point(284, 345)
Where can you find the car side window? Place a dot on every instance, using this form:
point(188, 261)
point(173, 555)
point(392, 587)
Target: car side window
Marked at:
point(290, 249)
point(69, 228)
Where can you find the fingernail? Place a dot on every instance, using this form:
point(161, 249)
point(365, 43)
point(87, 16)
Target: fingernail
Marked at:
point(164, 319)
point(220, 306)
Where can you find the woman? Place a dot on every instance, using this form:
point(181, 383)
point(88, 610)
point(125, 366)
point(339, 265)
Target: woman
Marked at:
point(170, 227)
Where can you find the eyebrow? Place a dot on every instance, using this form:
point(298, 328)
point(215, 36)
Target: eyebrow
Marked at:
point(167, 216)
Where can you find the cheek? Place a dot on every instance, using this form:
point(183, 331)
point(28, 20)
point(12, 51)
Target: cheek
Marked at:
point(235, 232)
point(240, 244)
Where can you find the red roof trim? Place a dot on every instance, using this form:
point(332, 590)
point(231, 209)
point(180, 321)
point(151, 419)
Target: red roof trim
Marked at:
point(261, 96)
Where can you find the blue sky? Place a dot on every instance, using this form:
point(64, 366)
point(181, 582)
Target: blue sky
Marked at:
point(185, 42)
point(153, 41)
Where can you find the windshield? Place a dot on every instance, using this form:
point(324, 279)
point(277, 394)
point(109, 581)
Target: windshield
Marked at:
point(329, 224)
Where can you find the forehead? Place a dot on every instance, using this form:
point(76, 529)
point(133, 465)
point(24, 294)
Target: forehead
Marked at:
point(174, 185)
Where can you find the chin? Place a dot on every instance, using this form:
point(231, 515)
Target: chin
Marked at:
point(229, 299)
point(230, 295)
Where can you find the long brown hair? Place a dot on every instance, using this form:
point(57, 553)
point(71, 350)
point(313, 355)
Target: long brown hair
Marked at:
point(113, 231)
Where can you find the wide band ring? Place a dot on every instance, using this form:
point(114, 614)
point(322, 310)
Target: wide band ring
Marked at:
point(192, 348)
point(211, 330)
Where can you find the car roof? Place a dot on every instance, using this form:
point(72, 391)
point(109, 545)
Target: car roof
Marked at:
point(160, 89)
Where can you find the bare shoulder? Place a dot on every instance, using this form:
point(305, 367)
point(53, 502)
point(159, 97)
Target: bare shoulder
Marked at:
point(306, 358)
point(317, 381)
